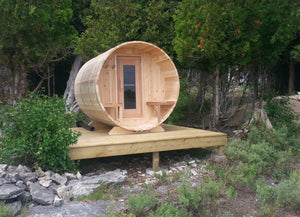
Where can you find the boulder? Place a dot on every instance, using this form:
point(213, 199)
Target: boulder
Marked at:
point(74, 208)
point(58, 179)
point(10, 191)
point(113, 177)
point(4, 181)
point(41, 194)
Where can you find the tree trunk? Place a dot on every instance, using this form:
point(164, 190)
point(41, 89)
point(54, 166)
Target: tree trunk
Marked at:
point(255, 87)
point(217, 99)
point(69, 96)
point(292, 78)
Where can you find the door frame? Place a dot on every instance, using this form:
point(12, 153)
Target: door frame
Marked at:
point(136, 61)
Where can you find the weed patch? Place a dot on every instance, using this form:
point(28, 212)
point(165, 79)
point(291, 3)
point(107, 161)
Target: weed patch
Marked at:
point(141, 204)
point(103, 192)
point(4, 210)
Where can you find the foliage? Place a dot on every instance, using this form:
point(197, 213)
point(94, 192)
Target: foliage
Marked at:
point(199, 200)
point(141, 204)
point(4, 210)
point(184, 104)
point(167, 210)
point(214, 32)
point(112, 213)
point(34, 34)
point(260, 155)
point(285, 195)
point(104, 192)
point(36, 132)
point(235, 32)
point(126, 21)
point(281, 114)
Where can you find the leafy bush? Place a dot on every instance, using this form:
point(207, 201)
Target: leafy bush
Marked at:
point(36, 132)
point(285, 195)
point(143, 203)
point(199, 200)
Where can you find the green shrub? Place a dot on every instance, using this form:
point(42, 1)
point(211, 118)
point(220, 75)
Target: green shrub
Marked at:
point(201, 199)
point(36, 132)
point(168, 210)
point(285, 195)
point(142, 203)
point(258, 156)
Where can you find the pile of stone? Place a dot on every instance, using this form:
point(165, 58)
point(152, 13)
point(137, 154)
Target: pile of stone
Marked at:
point(19, 185)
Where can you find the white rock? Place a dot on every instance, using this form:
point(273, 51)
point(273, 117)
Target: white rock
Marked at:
point(70, 176)
point(191, 162)
point(194, 172)
point(78, 175)
point(45, 182)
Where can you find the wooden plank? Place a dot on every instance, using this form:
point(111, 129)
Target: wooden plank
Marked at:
point(99, 144)
point(155, 161)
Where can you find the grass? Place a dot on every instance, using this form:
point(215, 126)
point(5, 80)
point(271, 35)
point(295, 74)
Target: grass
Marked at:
point(103, 192)
point(4, 210)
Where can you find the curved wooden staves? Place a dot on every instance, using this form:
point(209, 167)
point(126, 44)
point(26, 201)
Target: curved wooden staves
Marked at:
point(100, 86)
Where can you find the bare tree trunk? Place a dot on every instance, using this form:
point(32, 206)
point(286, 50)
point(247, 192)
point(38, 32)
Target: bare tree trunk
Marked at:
point(255, 88)
point(49, 81)
point(292, 78)
point(39, 85)
point(217, 99)
point(69, 96)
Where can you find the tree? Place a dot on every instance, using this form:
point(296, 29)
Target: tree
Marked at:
point(279, 31)
point(33, 34)
point(110, 23)
point(213, 34)
point(252, 35)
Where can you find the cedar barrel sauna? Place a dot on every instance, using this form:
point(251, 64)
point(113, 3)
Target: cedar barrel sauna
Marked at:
point(134, 85)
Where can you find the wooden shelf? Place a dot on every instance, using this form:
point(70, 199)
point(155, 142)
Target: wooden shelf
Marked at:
point(158, 105)
point(161, 103)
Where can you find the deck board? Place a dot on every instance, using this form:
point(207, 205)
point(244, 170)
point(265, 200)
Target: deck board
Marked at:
point(93, 144)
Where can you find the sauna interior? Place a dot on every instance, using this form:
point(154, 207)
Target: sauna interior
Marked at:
point(137, 86)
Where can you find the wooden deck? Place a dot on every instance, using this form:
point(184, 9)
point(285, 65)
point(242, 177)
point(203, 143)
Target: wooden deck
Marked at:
point(94, 144)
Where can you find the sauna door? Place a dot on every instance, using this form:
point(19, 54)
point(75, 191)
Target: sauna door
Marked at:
point(129, 85)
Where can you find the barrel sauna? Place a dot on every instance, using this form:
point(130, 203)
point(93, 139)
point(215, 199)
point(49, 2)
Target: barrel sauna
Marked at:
point(134, 85)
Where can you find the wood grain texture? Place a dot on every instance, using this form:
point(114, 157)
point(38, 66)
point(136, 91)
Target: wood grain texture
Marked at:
point(99, 87)
point(93, 144)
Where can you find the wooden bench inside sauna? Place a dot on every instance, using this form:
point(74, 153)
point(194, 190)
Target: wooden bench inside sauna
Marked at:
point(133, 86)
